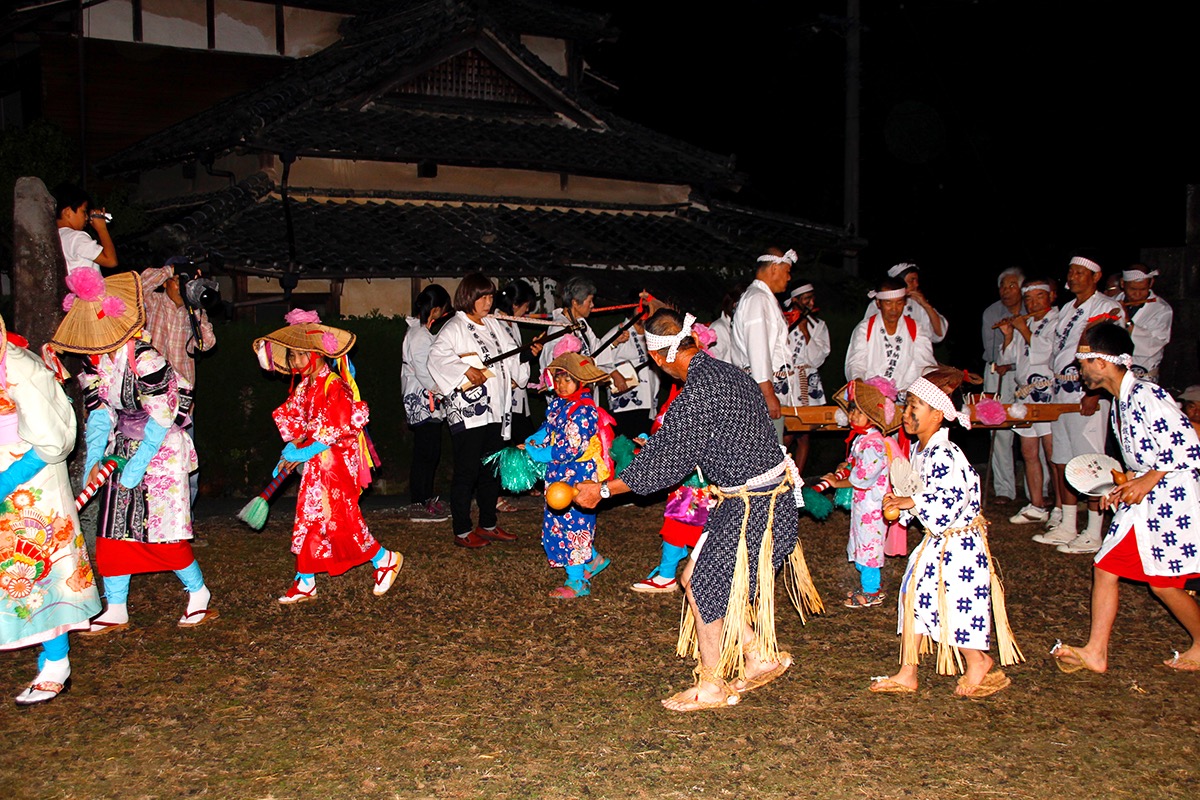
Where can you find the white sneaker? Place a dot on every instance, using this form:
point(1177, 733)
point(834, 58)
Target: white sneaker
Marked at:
point(1029, 514)
point(1059, 535)
point(1083, 543)
point(1055, 518)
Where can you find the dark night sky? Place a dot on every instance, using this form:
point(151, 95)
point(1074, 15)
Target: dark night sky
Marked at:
point(994, 132)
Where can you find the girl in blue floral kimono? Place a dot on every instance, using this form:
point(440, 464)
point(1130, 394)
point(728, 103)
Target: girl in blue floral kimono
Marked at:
point(574, 444)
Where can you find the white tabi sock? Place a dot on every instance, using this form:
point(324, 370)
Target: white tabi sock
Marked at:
point(198, 601)
point(116, 613)
point(56, 671)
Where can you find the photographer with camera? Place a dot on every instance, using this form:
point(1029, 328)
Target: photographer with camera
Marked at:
point(178, 298)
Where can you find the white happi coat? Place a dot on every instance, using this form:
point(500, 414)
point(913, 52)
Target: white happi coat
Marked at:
point(902, 356)
point(919, 315)
point(490, 402)
point(760, 345)
point(587, 337)
point(722, 328)
point(520, 397)
point(422, 399)
point(950, 499)
point(1155, 435)
point(1068, 329)
point(1032, 360)
point(808, 354)
point(1149, 326)
point(644, 396)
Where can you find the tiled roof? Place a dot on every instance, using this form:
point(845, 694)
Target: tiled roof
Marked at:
point(340, 103)
point(392, 235)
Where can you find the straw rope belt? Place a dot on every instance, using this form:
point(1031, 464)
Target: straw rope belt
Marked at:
point(949, 658)
point(758, 612)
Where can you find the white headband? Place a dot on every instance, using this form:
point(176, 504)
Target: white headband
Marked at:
point(889, 294)
point(656, 342)
point(1037, 286)
point(1080, 261)
point(790, 257)
point(1137, 275)
point(939, 400)
point(1125, 360)
point(799, 290)
point(894, 272)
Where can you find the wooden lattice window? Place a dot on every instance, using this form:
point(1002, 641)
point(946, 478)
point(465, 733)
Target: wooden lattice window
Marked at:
point(470, 76)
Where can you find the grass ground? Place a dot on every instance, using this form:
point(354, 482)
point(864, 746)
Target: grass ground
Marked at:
point(466, 681)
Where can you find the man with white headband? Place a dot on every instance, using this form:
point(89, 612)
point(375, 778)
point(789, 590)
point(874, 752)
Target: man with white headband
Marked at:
point(1027, 343)
point(998, 377)
point(949, 592)
point(1148, 320)
point(889, 343)
point(760, 345)
point(917, 306)
point(722, 326)
point(808, 340)
point(1084, 432)
point(1155, 536)
point(719, 424)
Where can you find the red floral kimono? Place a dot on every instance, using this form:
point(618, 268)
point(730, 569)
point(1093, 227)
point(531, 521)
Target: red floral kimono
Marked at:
point(330, 534)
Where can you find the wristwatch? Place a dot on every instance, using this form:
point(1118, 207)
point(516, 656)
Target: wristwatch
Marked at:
point(605, 493)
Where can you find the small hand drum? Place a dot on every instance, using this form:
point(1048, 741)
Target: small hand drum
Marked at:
point(1094, 474)
point(559, 495)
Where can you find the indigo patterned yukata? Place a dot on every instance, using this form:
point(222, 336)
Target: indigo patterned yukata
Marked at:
point(1155, 435)
point(719, 423)
point(330, 534)
point(573, 424)
point(870, 480)
point(959, 563)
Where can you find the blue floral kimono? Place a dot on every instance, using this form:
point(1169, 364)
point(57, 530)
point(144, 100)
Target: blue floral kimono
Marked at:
point(574, 427)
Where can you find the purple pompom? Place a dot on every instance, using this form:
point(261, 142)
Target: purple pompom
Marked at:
point(68, 301)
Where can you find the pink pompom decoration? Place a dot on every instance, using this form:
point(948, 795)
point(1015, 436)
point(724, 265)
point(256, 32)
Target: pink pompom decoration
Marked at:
point(884, 385)
point(990, 412)
point(568, 344)
point(68, 301)
point(704, 335)
point(87, 283)
point(889, 410)
point(298, 316)
point(112, 306)
point(329, 342)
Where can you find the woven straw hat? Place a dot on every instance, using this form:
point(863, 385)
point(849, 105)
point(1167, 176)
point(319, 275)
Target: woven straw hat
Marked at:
point(89, 328)
point(3, 339)
point(305, 337)
point(580, 367)
point(871, 402)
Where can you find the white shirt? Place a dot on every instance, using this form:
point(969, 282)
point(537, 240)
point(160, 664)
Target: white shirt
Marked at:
point(79, 249)
point(808, 354)
point(722, 327)
point(644, 396)
point(1032, 360)
point(1150, 327)
point(759, 334)
point(422, 399)
point(1068, 330)
point(490, 402)
point(920, 315)
point(902, 357)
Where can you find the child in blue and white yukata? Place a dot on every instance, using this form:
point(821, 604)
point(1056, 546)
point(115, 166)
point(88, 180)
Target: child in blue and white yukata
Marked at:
point(574, 444)
point(950, 592)
point(873, 418)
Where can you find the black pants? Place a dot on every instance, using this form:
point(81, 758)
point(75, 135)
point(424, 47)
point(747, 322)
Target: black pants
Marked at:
point(473, 480)
point(426, 453)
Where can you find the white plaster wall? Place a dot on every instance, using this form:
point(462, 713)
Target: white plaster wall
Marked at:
point(552, 51)
point(111, 20)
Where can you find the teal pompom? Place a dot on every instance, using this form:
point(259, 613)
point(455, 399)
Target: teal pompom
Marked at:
point(518, 472)
point(817, 505)
point(841, 498)
point(621, 451)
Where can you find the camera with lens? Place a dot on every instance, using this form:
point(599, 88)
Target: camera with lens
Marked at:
point(199, 293)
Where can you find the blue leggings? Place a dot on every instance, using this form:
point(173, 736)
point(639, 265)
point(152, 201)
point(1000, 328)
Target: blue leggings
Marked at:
point(869, 577)
point(116, 587)
point(377, 559)
point(55, 649)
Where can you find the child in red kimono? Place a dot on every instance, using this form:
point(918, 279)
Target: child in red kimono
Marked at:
point(323, 422)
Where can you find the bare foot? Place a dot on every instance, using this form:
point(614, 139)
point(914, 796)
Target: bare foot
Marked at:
point(902, 682)
point(977, 668)
point(1188, 661)
point(1072, 659)
point(704, 695)
point(760, 673)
